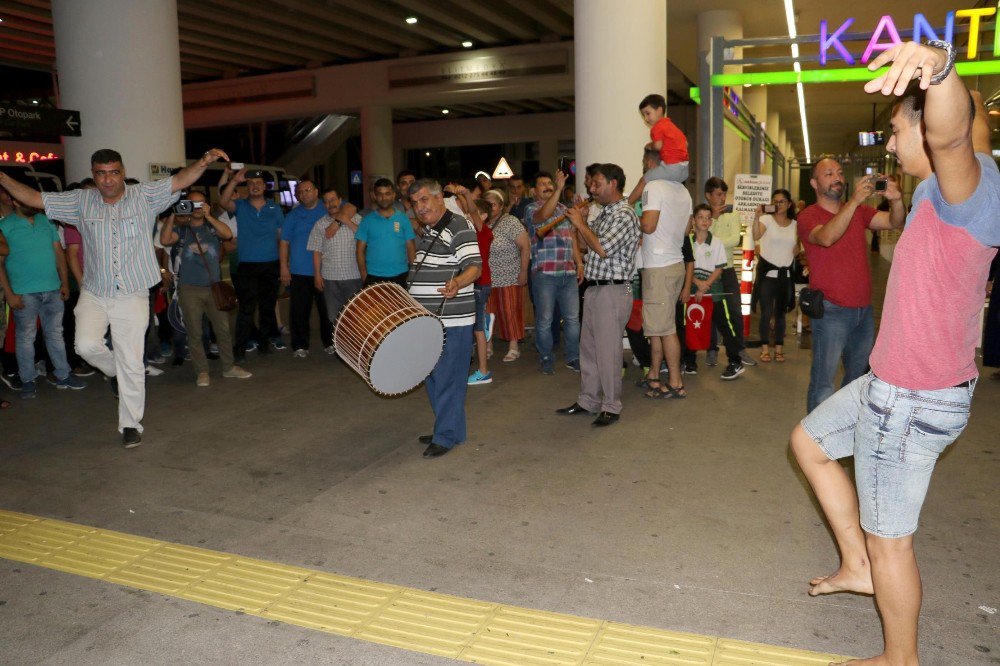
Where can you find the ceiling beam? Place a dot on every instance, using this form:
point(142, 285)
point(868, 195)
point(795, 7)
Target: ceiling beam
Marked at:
point(453, 20)
point(26, 37)
point(493, 14)
point(343, 19)
point(25, 26)
point(550, 17)
point(194, 25)
point(395, 16)
point(249, 54)
point(14, 9)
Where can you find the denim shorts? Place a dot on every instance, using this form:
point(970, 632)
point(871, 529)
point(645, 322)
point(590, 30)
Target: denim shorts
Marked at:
point(895, 436)
point(482, 298)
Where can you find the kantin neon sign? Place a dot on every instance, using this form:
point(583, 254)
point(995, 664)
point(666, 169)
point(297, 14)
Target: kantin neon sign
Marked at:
point(886, 35)
point(21, 157)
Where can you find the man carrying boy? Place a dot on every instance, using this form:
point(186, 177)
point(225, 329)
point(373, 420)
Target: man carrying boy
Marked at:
point(665, 137)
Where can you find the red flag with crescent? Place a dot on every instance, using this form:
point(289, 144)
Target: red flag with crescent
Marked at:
point(698, 324)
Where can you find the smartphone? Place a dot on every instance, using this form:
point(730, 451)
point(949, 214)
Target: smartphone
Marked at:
point(567, 166)
point(236, 166)
point(881, 184)
point(770, 208)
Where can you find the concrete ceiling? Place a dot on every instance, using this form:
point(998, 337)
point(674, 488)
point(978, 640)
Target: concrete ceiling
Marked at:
point(230, 38)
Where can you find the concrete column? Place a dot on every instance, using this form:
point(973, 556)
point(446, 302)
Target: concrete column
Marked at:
point(376, 145)
point(729, 24)
point(609, 127)
point(755, 99)
point(548, 157)
point(119, 64)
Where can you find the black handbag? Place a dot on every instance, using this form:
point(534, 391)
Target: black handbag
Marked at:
point(811, 302)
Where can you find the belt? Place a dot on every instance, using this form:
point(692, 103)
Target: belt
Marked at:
point(600, 283)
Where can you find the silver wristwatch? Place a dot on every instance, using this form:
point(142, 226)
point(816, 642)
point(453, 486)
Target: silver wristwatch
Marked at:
point(949, 49)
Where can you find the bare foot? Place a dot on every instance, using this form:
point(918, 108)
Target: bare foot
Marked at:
point(842, 580)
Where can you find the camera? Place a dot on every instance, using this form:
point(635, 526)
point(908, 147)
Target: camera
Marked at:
point(186, 206)
point(876, 138)
point(236, 166)
point(881, 184)
point(770, 208)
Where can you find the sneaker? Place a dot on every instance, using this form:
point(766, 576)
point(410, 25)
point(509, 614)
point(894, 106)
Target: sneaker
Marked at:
point(733, 370)
point(299, 353)
point(236, 372)
point(157, 359)
point(547, 368)
point(251, 345)
point(212, 355)
point(488, 326)
point(203, 379)
point(29, 390)
point(574, 365)
point(12, 381)
point(330, 349)
point(153, 371)
point(689, 369)
point(213, 349)
point(131, 438)
point(50, 377)
point(83, 370)
point(71, 382)
point(278, 344)
point(479, 378)
point(747, 359)
point(712, 358)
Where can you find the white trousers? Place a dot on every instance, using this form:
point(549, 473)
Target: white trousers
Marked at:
point(128, 317)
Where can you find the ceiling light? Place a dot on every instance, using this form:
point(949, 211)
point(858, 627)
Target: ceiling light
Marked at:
point(467, 44)
point(428, 153)
point(444, 111)
point(411, 19)
point(790, 20)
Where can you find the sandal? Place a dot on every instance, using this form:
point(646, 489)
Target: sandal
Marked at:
point(665, 392)
point(765, 357)
point(512, 355)
point(779, 357)
point(644, 383)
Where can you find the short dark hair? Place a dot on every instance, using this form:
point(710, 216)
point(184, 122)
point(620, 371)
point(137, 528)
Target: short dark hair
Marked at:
point(105, 156)
point(592, 169)
point(330, 190)
point(383, 182)
point(701, 207)
point(484, 206)
point(815, 166)
point(651, 154)
point(654, 100)
point(405, 172)
point(540, 174)
point(912, 103)
point(715, 183)
point(307, 180)
point(790, 212)
point(613, 172)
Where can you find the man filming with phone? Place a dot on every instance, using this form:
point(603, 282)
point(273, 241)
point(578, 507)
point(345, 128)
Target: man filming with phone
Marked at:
point(832, 232)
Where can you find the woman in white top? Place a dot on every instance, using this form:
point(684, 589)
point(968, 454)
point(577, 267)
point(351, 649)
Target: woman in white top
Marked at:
point(775, 289)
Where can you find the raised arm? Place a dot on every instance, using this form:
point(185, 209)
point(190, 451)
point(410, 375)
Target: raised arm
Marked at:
point(226, 197)
point(829, 233)
point(26, 195)
point(187, 176)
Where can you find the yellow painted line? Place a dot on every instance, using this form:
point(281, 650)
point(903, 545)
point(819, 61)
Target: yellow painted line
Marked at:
point(474, 631)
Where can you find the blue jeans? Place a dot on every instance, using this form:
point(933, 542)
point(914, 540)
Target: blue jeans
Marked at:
point(842, 333)
point(447, 384)
point(895, 435)
point(48, 306)
point(549, 290)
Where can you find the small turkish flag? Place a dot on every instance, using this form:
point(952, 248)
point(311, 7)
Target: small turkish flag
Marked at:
point(698, 324)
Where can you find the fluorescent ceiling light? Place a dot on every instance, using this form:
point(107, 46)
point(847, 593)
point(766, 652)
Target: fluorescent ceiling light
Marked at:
point(444, 111)
point(467, 44)
point(790, 20)
point(411, 19)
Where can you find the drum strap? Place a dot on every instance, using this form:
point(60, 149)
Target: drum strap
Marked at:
point(437, 230)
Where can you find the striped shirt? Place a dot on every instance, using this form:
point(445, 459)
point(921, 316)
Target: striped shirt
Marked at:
point(440, 257)
point(118, 237)
point(340, 253)
point(617, 229)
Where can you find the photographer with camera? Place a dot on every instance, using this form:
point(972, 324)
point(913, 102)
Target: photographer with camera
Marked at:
point(116, 221)
point(199, 246)
point(832, 232)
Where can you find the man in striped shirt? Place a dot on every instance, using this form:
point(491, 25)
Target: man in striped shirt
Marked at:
point(446, 266)
point(116, 222)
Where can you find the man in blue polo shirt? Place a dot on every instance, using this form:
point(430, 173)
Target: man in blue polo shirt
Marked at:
point(36, 280)
point(385, 237)
point(258, 223)
point(297, 270)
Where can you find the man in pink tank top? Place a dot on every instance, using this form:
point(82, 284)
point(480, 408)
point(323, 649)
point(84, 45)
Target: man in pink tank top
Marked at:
point(897, 419)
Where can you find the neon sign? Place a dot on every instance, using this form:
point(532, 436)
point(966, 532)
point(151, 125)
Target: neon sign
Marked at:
point(22, 157)
point(922, 29)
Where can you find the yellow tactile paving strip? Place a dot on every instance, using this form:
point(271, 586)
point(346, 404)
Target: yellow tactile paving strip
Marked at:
point(473, 631)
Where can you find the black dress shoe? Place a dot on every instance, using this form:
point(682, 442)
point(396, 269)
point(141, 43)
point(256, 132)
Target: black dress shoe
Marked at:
point(575, 408)
point(426, 439)
point(606, 419)
point(435, 451)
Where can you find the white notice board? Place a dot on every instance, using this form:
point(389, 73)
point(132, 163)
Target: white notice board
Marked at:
point(751, 190)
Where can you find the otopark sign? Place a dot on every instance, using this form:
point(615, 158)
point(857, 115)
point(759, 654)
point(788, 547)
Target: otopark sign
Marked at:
point(31, 120)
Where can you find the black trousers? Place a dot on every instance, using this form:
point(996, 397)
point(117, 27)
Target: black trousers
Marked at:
point(730, 285)
point(257, 290)
point(773, 303)
point(398, 279)
point(726, 322)
point(303, 294)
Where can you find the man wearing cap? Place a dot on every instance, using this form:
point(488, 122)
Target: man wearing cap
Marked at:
point(258, 221)
point(116, 222)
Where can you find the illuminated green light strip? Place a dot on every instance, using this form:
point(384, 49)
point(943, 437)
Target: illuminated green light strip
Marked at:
point(841, 75)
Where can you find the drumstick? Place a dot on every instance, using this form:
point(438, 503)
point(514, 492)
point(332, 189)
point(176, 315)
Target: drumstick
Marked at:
point(443, 299)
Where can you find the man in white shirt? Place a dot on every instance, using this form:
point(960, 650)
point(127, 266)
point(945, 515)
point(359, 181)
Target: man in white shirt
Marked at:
point(666, 209)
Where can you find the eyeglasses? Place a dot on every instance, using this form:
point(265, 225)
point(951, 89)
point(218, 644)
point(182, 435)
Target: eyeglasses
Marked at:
point(781, 201)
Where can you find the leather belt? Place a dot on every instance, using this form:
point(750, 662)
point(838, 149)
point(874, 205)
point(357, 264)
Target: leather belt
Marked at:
point(600, 283)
